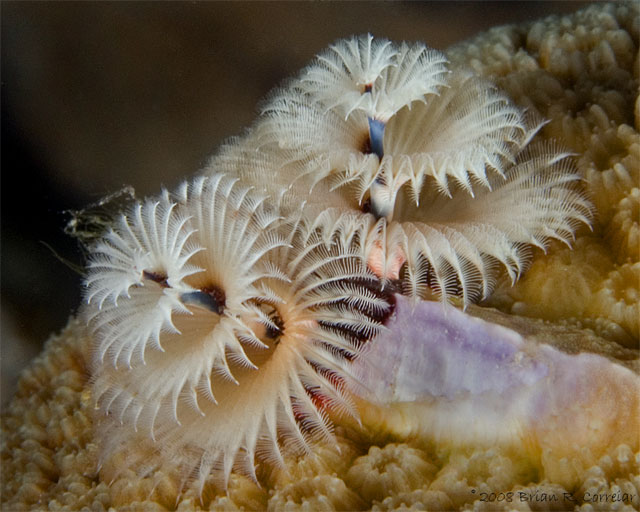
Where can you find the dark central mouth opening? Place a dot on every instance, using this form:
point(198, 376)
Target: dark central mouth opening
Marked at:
point(156, 277)
point(366, 146)
point(274, 331)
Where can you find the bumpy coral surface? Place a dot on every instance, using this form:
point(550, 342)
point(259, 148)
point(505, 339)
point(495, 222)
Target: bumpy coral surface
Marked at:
point(581, 73)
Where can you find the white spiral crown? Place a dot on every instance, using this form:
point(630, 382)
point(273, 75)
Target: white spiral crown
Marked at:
point(225, 316)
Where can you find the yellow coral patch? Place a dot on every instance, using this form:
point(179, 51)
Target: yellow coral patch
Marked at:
point(624, 228)
point(389, 470)
point(581, 73)
point(619, 298)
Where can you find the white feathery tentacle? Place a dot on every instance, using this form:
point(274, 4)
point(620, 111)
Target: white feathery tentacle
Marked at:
point(461, 136)
point(373, 76)
point(460, 239)
point(135, 276)
point(469, 129)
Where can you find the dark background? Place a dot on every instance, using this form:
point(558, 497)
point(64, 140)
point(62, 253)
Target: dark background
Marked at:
point(96, 95)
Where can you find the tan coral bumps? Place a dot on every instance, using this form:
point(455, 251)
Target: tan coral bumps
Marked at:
point(49, 459)
point(581, 73)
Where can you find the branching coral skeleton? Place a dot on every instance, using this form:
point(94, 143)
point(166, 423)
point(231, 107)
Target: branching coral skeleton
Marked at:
point(226, 316)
